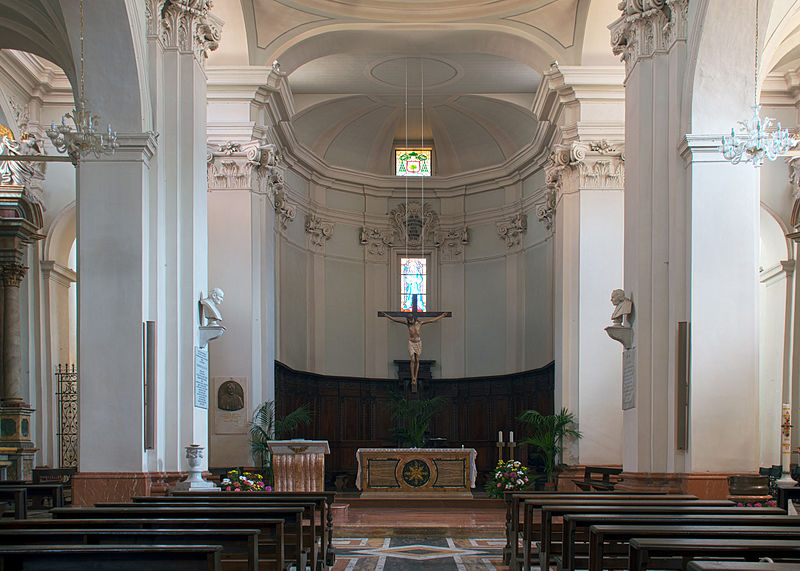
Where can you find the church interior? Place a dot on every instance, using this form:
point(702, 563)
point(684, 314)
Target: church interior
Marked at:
point(217, 216)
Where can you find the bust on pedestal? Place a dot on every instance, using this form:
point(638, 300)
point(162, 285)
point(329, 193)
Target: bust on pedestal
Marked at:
point(299, 465)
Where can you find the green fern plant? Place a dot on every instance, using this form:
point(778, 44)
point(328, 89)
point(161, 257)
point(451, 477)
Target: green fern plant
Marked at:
point(547, 433)
point(413, 417)
point(266, 427)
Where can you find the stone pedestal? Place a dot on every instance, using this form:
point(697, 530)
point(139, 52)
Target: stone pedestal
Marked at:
point(299, 465)
point(194, 482)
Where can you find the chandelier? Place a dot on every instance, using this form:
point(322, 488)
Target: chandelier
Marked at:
point(756, 140)
point(84, 139)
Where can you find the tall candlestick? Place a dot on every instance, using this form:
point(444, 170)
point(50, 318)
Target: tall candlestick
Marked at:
point(511, 436)
point(500, 436)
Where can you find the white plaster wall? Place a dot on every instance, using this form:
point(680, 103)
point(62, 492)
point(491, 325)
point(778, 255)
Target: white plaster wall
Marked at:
point(344, 317)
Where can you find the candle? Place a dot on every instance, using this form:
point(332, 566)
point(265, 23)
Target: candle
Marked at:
point(511, 436)
point(500, 436)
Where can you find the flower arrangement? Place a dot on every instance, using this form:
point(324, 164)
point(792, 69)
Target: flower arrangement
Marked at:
point(767, 504)
point(244, 482)
point(509, 475)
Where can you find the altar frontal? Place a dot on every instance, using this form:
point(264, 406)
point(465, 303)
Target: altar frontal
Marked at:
point(416, 472)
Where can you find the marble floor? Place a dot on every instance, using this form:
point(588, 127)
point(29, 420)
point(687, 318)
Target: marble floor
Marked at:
point(423, 553)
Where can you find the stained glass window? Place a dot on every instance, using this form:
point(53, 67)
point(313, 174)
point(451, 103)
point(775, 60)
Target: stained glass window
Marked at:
point(413, 162)
point(413, 280)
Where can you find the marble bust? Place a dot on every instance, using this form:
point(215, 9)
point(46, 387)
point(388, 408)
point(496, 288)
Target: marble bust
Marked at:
point(622, 306)
point(210, 307)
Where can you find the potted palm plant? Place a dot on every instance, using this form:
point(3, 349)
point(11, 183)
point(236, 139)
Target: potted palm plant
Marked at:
point(413, 417)
point(266, 427)
point(546, 433)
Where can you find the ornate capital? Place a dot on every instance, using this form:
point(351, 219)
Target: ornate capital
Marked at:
point(184, 24)
point(319, 230)
point(376, 241)
point(646, 27)
point(12, 273)
point(451, 242)
point(598, 165)
point(513, 230)
point(546, 209)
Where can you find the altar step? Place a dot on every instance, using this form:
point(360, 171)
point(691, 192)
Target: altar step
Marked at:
point(355, 517)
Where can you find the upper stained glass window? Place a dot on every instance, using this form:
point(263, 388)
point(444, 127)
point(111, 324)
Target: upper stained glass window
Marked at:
point(413, 162)
point(413, 280)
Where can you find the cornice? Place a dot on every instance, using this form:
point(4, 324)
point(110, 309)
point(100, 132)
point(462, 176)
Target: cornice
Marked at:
point(36, 79)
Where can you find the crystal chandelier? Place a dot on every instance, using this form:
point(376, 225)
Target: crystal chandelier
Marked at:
point(756, 141)
point(84, 138)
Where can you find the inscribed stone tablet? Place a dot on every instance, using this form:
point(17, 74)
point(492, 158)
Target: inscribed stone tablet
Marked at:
point(629, 379)
point(201, 377)
point(230, 412)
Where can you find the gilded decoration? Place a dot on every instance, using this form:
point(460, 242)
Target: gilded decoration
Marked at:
point(416, 473)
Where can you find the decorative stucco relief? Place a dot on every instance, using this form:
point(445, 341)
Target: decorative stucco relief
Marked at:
point(451, 242)
point(513, 230)
point(319, 231)
point(546, 209)
point(415, 222)
point(647, 27)
point(184, 24)
point(376, 240)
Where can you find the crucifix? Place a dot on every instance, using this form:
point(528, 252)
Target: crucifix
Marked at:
point(414, 320)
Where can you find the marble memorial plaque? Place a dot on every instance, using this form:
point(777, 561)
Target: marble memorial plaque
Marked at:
point(201, 377)
point(629, 379)
point(230, 405)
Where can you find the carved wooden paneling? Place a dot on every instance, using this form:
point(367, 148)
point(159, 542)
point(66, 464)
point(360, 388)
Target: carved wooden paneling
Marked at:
point(353, 412)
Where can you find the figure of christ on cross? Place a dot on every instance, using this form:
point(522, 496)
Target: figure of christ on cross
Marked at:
point(414, 320)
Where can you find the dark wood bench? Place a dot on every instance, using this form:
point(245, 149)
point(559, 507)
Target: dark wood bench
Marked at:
point(239, 546)
point(294, 548)
point(270, 539)
point(514, 500)
point(605, 538)
point(603, 483)
point(313, 539)
point(675, 553)
point(701, 507)
point(324, 500)
point(739, 566)
point(41, 496)
point(19, 497)
point(550, 534)
point(111, 557)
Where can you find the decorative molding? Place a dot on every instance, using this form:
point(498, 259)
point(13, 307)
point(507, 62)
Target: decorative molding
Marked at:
point(647, 27)
point(186, 25)
point(376, 241)
point(451, 242)
point(21, 114)
point(794, 176)
point(513, 230)
point(546, 210)
point(319, 230)
point(12, 273)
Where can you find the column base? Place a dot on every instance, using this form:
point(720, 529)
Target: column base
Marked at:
point(195, 483)
point(89, 488)
point(704, 485)
point(15, 439)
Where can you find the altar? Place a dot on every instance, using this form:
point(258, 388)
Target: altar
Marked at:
point(416, 472)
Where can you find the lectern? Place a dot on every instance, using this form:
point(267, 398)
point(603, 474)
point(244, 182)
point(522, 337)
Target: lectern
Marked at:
point(299, 465)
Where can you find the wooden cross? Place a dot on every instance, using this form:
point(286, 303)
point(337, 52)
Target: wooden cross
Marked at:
point(414, 320)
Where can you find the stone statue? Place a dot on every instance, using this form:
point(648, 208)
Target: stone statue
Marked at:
point(210, 307)
point(414, 325)
point(20, 173)
point(622, 306)
point(230, 396)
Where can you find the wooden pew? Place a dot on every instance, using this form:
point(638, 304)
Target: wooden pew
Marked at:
point(239, 546)
point(111, 557)
point(513, 500)
point(679, 551)
point(329, 552)
point(270, 538)
point(530, 506)
point(739, 566)
point(604, 536)
point(603, 483)
point(294, 550)
point(702, 507)
point(313, 539)
point(18, 495)
point(40, 495)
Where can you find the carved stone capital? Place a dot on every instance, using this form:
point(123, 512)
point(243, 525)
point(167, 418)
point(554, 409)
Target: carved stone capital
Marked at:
point(12, 273)
point(319, 231)
point(451, 242)
point(376, 242)
point(647, 27)
point(597, 165)
point(252, 165)
point(513, 230)
point(186, 25)
point(546, 209)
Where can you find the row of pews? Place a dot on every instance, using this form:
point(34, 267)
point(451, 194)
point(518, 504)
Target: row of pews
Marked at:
point(209, 530)
point(637, 531)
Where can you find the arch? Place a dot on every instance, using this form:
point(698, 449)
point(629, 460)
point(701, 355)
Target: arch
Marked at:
point(60, 236)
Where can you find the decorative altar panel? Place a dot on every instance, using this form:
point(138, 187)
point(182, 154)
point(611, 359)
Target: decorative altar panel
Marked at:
point(415, 472)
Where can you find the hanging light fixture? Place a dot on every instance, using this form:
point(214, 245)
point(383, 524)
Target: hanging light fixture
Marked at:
point(756, 141)
point(84, 139)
